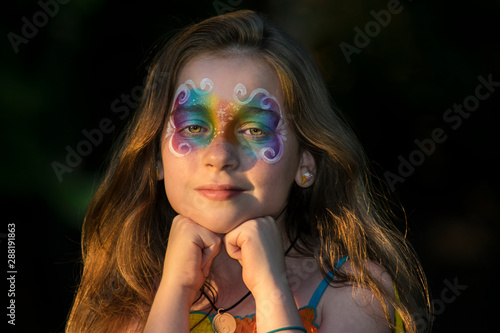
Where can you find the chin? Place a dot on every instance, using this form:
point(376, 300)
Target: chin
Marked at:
point(221, 223)
point(220, 227)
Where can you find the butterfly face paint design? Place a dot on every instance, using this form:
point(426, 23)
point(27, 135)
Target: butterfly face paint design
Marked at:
point(197, 117)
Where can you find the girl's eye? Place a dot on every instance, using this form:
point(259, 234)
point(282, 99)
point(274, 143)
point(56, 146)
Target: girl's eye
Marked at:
point(255, 131)
point(194, 129)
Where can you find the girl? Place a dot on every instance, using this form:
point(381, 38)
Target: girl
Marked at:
point(239, 201)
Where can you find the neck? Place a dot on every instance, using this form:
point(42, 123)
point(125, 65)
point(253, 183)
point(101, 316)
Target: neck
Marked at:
point(225, 271)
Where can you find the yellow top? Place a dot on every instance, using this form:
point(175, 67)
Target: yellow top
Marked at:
point(248, 324)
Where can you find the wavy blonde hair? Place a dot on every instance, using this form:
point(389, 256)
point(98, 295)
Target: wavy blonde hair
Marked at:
point(126, 227)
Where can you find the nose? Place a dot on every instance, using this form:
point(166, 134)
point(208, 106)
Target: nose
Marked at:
point(221, 154)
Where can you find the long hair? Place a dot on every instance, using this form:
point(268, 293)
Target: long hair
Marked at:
point(126, 227)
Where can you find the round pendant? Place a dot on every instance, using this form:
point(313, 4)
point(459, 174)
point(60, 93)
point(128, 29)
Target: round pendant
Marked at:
point(224, 323)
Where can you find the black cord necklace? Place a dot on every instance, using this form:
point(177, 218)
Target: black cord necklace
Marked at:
point(225, 322)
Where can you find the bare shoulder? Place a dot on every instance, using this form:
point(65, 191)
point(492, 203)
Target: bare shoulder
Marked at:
point(354, 308)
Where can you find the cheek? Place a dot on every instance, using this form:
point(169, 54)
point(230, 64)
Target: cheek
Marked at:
point(274, 177)
point(176, 178)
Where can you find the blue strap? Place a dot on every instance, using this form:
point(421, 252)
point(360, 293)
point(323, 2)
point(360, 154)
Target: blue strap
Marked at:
point(313, 303)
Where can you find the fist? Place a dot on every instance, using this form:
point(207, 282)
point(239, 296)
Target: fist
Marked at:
point(258, 247)
point(190, 253)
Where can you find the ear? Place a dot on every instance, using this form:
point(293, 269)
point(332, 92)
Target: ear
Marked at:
point(160, 175)
point(306, 170)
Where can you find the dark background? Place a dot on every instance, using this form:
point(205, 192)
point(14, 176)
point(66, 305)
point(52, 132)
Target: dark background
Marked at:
point(64, 79)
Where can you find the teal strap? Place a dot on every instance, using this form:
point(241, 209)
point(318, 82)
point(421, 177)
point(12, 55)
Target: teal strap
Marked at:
point(289, 328)
point(313, 303)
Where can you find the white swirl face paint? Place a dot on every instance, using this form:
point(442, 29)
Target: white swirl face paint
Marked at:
point(256, 122)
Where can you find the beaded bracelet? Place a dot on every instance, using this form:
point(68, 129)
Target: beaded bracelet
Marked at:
point(289, 328)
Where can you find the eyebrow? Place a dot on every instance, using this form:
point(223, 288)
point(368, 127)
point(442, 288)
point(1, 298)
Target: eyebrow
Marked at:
point(196, 108)
point(201, 110)
point(255, 110)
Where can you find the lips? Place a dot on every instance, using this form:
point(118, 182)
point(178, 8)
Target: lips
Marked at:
point(219, 192)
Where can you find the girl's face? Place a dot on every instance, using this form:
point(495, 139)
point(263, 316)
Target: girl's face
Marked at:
point(228, 155)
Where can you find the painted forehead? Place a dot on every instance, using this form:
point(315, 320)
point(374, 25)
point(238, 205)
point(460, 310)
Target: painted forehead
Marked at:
point(252, 120)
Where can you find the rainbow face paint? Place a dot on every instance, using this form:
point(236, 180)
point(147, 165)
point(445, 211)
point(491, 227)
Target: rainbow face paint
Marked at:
point(254, 123)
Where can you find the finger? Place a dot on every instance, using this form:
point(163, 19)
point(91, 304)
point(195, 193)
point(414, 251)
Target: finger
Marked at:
point(208, 255)
point(233, 242)
point(210, 244)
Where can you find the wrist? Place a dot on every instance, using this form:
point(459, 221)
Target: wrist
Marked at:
point(272, 289)
point(182, 296)
point(275, 306)
point(169, 311)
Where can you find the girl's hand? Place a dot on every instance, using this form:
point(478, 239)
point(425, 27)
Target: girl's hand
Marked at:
point(257, 245)
point(190, 253)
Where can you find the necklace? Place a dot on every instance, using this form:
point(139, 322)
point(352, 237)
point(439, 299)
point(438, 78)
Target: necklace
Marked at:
point(224, 322)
